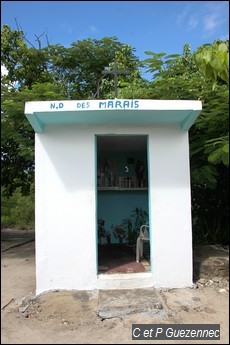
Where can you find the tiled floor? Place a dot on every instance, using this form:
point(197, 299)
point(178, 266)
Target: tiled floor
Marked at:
point(146, 264)
point(120, 259)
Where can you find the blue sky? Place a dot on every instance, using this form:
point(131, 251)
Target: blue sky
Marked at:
point(159, 26)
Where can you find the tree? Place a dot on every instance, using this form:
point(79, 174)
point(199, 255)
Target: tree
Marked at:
point(24, 65)
point(79, 68)
point(127, 82)
point(213, 61)
point(45, 73)
point(180, 77)
point(17, 144)
point(56, 72)
point(27, 79)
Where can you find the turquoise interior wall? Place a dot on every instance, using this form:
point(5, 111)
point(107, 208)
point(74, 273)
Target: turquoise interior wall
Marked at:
point(114, 206)
point(124, 159)
point(117, 202)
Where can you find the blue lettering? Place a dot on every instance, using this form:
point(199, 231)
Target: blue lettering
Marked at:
point(110, 104)
point(136, 104)
point(126, 104)
point(83, 105)
point(118, 104)
point(102, 104)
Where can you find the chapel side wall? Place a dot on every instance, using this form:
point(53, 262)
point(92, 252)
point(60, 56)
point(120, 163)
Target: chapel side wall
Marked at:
point(65, 209)
point(170, 196)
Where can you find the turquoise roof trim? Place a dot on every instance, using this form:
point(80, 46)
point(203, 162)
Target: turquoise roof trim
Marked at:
point(109, 112)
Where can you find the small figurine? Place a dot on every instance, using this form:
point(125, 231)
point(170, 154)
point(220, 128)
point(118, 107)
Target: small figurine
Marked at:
point(127, 169)
point(140, 173)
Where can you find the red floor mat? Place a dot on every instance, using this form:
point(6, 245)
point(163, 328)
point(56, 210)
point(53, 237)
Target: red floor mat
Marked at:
point(116, 258)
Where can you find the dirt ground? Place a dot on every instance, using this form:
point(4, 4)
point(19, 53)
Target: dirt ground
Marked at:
point(71, 317)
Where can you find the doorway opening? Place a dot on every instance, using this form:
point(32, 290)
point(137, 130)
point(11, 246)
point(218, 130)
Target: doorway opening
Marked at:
point(122, 202)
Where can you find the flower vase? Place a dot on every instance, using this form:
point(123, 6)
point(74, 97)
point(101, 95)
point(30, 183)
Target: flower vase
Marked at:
point(120, 240)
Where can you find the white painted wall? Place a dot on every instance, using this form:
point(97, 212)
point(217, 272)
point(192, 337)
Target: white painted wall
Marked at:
point(65, 209)
point(66, 220)
point(170, 208)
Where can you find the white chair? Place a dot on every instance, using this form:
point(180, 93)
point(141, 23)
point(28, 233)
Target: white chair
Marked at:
point(144, 236)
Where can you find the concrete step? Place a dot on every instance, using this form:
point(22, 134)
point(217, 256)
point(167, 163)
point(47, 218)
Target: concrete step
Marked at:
point(117, 303)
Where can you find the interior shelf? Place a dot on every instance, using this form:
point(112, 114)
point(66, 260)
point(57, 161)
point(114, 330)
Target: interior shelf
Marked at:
point(121, 188)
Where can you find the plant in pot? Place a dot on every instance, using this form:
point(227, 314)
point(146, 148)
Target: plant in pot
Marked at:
point(101, 230)
point(119, 232)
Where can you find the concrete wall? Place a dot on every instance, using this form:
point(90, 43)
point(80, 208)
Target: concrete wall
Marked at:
point(66, 219)
point(170, 208)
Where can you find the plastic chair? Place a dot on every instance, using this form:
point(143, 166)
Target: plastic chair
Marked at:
point(144, 236)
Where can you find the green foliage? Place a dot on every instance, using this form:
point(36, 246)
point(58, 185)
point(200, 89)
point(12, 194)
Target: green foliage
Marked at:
point(132, 224)
point(79, 68)
point(50, 73)
point(213, 61)
point(25, 65)
point(101, 232)
point(185, 78)
point(126, 60)
point(17, 142)
point(58, 73)
point(159, 62)
point(174, 76)
point(218, 150)
point(210, 210)
point(211, 127)
point(17, 210)
point(12, 49)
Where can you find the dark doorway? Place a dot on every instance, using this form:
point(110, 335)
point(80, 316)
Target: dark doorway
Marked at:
point(122, 202)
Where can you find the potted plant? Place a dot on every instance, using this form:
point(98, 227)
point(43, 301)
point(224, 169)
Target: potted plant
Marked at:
point(119, 232)
point(101, 230)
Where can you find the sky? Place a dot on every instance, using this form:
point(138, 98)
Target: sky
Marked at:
point(158, 26)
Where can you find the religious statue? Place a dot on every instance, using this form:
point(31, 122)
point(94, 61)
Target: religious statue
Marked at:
point(140, 173)
point(108, 174)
